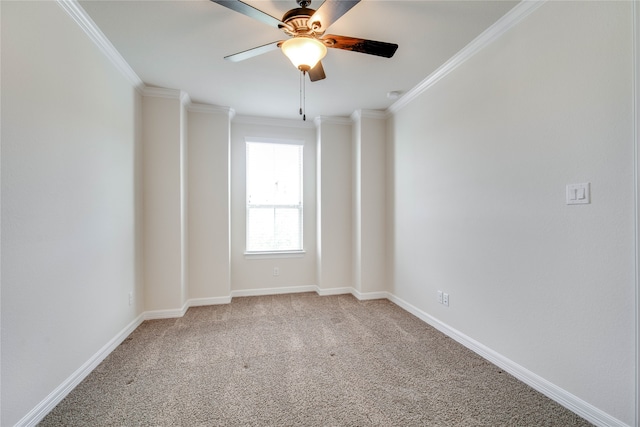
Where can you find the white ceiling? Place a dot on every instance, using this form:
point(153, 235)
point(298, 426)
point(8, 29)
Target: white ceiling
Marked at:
point(180, 44)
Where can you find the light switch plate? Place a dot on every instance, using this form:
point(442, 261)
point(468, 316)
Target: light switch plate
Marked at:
point(579, 194)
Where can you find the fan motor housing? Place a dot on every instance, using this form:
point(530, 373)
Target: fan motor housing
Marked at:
point(298, 19)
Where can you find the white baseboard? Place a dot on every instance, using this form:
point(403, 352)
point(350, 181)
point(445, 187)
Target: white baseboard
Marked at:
point(195, 302)
point(366, 296)
point(179, 312)
point(165, 314)
point(362, 296)
point(198, 302)
point(48, 403)
point(552, 391)
point(564, 398)
point(334, 291)
point(273, 291)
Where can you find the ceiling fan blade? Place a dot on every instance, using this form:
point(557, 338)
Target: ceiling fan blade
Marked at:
point(317, 73)
point(329, 12)
point(251, 12)
point(250, 53)
point(370, 47)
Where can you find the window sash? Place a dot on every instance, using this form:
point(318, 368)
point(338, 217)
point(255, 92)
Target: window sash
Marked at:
point(273, 236)
point(274, 218)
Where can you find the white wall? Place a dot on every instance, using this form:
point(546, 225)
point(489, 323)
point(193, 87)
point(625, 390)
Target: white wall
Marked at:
point(476, 171)
point(480, 163)
point(208, 199)
point(334, 199)
point(250, 273)
point(164, 200)
point(70, 203)
point(369, 222)
point(184, 211)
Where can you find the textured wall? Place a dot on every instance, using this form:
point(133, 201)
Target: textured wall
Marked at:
point(334, 204)
point(208, 198)
point(254, 273)
point(70, 202)
point(481, 161)
point(164, 200)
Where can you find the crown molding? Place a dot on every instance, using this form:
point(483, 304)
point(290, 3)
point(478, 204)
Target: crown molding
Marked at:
point(502, 25)
point(211, 109)
point(185, 99)
point(334, 120)
point(508, 21)
point(269, 121)
point(84, 21)
point(373, 114)
point(368, 114)
point(162, 92)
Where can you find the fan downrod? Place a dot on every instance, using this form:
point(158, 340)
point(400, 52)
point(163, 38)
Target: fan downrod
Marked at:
point(303, 3)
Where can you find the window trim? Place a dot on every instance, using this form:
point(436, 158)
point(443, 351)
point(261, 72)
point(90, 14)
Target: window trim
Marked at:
point(288, 253)
point(274, 254)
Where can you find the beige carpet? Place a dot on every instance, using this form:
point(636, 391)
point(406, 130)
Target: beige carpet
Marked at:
point(300, 360)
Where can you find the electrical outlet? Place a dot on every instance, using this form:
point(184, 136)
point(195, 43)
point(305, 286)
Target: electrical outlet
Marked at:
point(276, 271)
point(445, 299)
point(130, 298)
point(440, 297)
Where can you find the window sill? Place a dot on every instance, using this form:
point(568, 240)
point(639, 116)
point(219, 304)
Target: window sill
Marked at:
point(274, 254)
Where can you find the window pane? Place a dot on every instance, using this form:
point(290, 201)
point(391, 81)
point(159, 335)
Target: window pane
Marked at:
point(274, 174)
point(288, 168)
point(274, 196)
point(287, 229)
point(260, 229)
point(260, 173)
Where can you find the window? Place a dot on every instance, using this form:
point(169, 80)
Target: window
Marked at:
point(274, 196)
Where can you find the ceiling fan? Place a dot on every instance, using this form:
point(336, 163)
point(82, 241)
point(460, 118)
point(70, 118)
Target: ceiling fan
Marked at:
point(307, 44)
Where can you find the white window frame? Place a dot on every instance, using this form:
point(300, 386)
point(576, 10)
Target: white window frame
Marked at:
point(274, 253)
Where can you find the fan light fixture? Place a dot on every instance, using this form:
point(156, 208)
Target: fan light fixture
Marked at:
point(304, 52)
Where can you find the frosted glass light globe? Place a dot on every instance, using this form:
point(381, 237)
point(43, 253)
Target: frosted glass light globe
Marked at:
point(304, 52)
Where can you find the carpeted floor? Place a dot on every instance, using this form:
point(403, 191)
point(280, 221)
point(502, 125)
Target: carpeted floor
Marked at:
point(300, 360)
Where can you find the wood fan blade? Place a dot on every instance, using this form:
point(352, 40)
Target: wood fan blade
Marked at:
point(370, 47)
point(250, 53)
point(329, 12)
point(317, 73)
point(251, 12)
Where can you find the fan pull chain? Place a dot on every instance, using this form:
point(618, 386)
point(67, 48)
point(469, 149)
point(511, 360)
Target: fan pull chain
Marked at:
point(303, 95)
